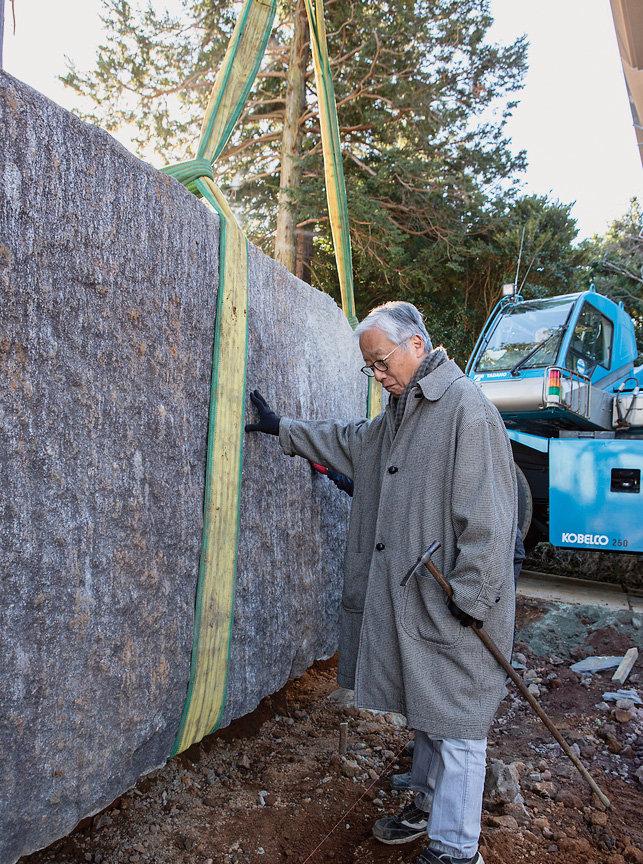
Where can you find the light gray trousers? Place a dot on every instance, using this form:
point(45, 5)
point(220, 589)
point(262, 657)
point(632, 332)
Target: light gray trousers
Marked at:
point(448, 777)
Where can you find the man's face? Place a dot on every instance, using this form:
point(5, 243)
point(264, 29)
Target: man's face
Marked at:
point(402, 364)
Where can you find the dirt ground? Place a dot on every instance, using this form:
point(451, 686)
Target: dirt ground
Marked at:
point(273, 788)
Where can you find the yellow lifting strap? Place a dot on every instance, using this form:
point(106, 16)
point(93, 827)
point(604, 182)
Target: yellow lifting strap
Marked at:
point(331, 148)
point(206, 697)
point(214, 605)
point(334, 177)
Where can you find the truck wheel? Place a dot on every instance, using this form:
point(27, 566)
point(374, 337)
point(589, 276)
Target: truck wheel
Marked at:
point(525, 502)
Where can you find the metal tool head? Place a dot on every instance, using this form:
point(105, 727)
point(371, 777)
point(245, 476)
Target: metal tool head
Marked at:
point(423, 559)
point(410, 572)
point(429, 551)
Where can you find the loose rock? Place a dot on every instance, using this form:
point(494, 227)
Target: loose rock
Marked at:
point(503, 822)
point(576, 845)
point(598, 818)
point(502, 783)
point(623, 716)
point(545, 789)
point(595, 664)
point(350, 768)
point(615, 696)
point(569, 799)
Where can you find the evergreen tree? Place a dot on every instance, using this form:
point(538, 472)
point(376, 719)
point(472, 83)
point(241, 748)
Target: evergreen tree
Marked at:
point(154, 73)
point(423, 97)
point(616, 264)
point(410, 78)
point(458, 280)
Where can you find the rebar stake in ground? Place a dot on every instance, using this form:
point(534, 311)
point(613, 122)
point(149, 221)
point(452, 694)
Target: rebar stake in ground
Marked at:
point(343, 737)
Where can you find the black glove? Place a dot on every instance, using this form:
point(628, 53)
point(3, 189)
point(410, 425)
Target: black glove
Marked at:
point(268, 420)
point(341, 481)
point(463, 618)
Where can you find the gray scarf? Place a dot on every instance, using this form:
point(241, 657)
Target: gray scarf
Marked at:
point(436, 357)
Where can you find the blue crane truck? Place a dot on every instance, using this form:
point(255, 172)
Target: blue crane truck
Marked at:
point(561, 372)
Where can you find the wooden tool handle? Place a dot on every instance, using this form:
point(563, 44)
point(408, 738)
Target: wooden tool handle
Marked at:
point(491, 646)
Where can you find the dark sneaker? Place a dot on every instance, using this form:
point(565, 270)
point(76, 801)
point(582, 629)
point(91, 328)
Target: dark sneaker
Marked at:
point(401, 781)
point(431, 856)
point(406, 826)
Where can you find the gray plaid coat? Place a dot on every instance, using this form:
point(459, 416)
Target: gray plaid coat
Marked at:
point(447, 475)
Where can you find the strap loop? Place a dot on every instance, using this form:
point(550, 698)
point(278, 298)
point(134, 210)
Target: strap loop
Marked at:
point(189, 172)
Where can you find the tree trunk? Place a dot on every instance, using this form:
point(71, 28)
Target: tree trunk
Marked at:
point(285, 241)
point(304, 254)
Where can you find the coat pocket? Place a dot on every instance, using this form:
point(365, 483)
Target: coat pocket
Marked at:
point(425, 616)
point(350, 628)
point(356, 570)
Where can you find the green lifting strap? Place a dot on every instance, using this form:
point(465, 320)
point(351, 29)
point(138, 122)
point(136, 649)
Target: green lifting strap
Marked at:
point(214, 605)
point(332, 152)
point(189, 172)
point(205, 701)
point(334, 177)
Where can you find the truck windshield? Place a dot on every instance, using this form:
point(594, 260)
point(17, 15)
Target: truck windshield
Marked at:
point(520, 329)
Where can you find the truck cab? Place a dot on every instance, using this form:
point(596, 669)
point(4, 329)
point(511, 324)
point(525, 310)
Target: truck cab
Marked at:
point(582, 345)
point(561, 372)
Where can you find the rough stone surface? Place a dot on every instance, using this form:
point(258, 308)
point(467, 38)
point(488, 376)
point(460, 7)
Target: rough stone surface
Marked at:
point(502, 784)
point(108, 274)
point(595, 664)
point(630, 695)
point(303, 359)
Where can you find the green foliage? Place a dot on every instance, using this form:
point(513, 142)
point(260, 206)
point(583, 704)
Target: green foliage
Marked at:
point(423, 99)
point(154, 72)
point(615, 265)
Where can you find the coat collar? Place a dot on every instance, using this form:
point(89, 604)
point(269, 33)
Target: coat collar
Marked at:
point(436, 383)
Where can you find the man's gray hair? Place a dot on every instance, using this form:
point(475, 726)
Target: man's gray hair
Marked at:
point(398, 320)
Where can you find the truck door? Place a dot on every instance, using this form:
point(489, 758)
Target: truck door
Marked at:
point(590, 346)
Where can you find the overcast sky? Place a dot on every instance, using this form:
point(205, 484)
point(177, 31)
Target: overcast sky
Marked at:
point(573, 119)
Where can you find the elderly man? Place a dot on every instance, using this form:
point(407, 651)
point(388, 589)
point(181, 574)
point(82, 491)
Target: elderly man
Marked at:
point(435, 465)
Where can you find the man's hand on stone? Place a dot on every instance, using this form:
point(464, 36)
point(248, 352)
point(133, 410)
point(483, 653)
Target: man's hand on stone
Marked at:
point(341, 481)
point(463, 618)
point(268, 421)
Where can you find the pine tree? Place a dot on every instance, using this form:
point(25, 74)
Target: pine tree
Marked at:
point(423, 97)
point(410, 77)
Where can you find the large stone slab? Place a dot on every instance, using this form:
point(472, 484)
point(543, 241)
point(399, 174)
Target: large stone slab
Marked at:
point(108, 274)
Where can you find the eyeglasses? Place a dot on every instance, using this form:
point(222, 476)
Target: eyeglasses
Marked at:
point(380, 365)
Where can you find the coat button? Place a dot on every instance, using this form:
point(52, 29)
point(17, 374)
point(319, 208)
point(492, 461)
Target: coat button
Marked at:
point(380, 547)
point(392, 469)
